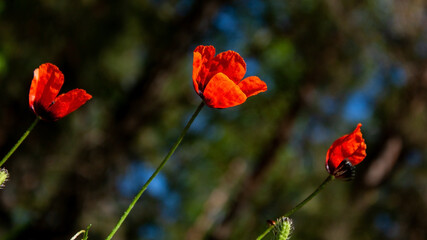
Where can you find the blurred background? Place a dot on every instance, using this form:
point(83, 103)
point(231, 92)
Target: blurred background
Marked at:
point(328, 64)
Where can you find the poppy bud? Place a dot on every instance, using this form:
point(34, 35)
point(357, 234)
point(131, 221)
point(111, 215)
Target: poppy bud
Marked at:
point(346, 152)
point(4, 176)
point(283, 228)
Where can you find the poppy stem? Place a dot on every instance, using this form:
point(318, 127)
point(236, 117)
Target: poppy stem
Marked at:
point(171, 151)
point(300, 205)
point(19, 141)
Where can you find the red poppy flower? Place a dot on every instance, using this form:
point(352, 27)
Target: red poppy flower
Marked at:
point(43, 99)
point(346, 152)
point(218, 79)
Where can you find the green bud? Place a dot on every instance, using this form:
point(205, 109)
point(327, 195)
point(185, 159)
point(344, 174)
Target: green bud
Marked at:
point(283, 228)
point(4, 176)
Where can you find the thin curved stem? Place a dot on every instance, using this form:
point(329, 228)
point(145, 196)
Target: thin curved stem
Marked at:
point(19, 141)
point(300, 205)
point(171, 151)
point(265, 232)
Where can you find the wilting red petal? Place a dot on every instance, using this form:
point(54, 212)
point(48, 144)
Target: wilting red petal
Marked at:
point(252, 86)
point(202, 57)
point(68, 102)
point(231, 64)
point(45, 86)
point(221, 92)
point(351, 146)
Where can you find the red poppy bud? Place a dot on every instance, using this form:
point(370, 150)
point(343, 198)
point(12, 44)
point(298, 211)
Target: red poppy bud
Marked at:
point(347, 151)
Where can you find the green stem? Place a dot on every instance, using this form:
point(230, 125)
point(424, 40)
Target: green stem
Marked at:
point(171, 151)
point(19, 141)
point(265, 232)
point(300, 205)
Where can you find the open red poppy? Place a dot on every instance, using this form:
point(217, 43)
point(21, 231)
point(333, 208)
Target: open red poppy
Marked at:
point(44, 99)
point(349, 150)
point(218, 79)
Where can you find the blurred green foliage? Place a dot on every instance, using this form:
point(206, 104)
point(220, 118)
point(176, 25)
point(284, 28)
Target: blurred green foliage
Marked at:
point(328, 64)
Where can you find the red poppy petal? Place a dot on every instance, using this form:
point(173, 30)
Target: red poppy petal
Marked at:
point(202, 56)
point(252, 86)
point(221, 92)
point(47, 82)
point(351, 146)
point(231, 64)
point(68, 102)
point(35, 83)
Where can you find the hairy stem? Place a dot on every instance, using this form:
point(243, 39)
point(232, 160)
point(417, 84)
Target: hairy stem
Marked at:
point(171, 151)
